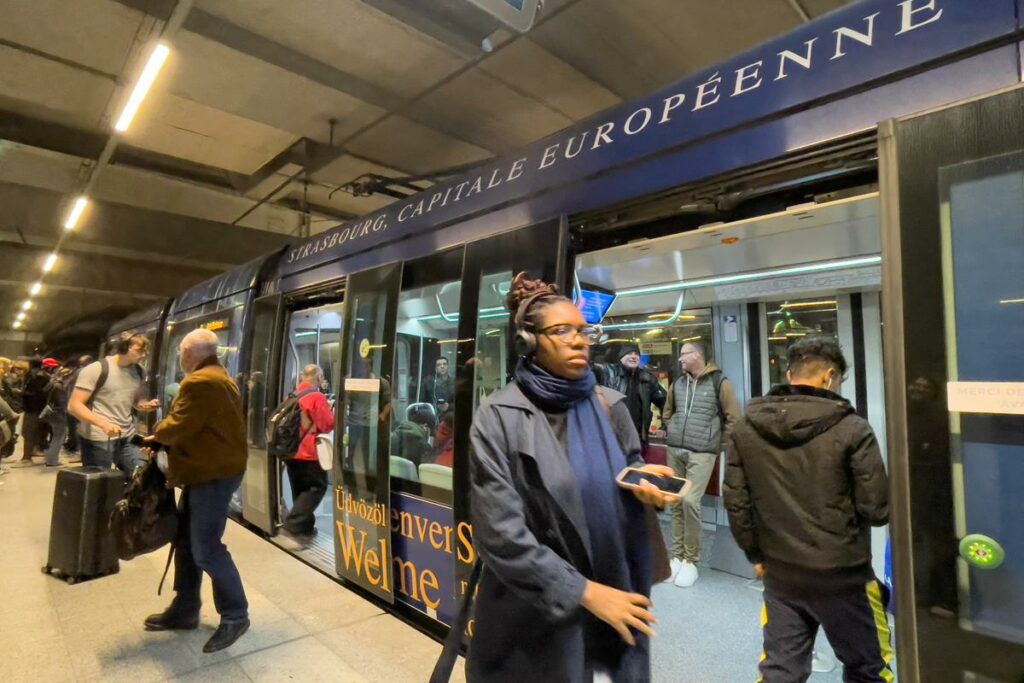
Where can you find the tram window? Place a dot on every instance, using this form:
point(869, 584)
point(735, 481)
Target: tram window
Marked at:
point(314, 338)
point(492, 335)
point(659, 326)
point(222, 324)
point(795, 319)
point(423, 395)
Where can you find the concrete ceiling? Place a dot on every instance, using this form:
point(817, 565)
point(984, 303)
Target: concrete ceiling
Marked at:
point(247, 100)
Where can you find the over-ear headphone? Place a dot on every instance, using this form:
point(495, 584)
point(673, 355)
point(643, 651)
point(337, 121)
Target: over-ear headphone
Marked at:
point(124, 342)
point(526, 341)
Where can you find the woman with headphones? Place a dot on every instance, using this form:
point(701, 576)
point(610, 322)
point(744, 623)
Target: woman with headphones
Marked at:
point(567, 565)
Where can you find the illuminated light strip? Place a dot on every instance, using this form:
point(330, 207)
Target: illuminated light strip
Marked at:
point(76, 213)
point(36, 288)
point(761, 275)
point(17, 324)
point(145, 82)
point(808, 304)
point(452, 317)
point(51, 260)
point(1012, 301)
point(27, 304)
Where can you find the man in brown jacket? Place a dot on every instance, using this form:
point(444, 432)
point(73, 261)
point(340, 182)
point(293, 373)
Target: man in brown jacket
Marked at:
point(206, 452)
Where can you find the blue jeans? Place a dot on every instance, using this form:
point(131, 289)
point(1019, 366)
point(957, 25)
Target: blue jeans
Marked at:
point(58, 423)
point(120, 452)
point(199, 549)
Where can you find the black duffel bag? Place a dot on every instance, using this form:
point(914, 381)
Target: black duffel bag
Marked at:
point(146, 517)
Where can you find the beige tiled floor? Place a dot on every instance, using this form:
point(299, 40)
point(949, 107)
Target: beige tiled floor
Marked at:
point(305, 627)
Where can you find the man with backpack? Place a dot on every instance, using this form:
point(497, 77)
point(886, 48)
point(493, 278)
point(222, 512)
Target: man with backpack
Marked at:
point(296, 423)
point(107, 395)
point(700, 409)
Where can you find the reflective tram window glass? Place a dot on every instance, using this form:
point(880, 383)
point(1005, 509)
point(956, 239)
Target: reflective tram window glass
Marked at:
point(227, 325)
point(659, 325)
point(983, 261)
point(426, 340)
point(791, 320)
point(493, 356)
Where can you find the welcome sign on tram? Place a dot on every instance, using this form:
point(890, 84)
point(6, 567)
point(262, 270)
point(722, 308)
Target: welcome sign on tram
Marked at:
point(843, 50)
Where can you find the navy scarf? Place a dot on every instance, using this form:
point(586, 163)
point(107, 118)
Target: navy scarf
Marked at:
point(619, 554)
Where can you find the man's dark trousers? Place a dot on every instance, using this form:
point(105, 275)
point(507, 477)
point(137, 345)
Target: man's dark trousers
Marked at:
point(853, 617)
point(199, 549)
point(309, 484)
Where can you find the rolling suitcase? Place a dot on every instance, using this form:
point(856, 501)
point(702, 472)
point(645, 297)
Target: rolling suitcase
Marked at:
point(81, 545)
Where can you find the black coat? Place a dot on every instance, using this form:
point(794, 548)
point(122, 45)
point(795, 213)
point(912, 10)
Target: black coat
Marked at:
point(641, 389)
point(34, 394)
point(530, 529)
point(805, 482)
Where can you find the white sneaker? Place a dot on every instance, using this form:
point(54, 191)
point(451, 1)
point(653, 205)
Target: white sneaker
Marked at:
point(674, 567)
point(687, 575)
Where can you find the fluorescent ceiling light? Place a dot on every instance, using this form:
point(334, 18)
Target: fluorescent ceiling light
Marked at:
point(761, 275)
point(27, 304)
point(76, 213)
point(1012, 301)
point(808, 304)
point(145, 82)
point(17, 324)
point(21, 316)
point(51, 260)
point(36, 288)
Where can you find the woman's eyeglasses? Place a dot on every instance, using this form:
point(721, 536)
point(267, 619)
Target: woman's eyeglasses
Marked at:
point(566, 334)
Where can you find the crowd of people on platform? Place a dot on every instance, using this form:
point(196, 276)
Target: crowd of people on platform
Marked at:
point(34, 397)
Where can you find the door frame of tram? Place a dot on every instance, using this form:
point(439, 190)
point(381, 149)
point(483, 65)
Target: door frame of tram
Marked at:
point(936, 641)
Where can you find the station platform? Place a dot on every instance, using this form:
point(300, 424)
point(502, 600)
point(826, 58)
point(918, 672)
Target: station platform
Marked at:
point(305, 627)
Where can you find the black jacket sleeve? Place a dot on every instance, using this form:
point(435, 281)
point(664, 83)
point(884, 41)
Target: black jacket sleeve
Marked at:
point(739, 504)
point(870, 483)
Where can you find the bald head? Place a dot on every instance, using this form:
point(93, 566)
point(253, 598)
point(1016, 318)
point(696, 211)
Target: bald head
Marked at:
point(312, 374)
point(196, 347)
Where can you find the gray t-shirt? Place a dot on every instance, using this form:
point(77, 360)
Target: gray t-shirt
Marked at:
point(115, 399)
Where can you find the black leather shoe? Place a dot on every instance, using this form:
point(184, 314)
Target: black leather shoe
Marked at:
point(225, 636)
point(169, 620)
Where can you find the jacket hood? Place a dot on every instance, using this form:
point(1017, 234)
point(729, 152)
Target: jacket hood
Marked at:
point(793, 415)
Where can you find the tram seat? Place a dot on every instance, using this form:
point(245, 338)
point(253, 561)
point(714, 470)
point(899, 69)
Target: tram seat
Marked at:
point(403, 468)
point(437, 476)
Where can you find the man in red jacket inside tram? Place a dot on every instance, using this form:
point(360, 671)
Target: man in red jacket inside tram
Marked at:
point(308, 480)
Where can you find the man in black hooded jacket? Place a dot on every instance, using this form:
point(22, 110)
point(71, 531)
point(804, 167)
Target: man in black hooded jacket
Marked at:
point(639, 385)
point(804, 484)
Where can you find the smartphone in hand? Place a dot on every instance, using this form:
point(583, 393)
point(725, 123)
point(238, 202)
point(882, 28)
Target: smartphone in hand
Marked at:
point(631, 477)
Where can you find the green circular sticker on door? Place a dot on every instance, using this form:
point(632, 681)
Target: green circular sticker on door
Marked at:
point(982, 551)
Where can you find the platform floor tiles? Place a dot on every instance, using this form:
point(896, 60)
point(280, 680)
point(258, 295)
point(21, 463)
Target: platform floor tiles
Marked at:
point(305, 627)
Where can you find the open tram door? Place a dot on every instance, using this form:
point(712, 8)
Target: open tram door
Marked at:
point(953, 299)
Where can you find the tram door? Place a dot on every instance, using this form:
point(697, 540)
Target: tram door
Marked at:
point(953, 206)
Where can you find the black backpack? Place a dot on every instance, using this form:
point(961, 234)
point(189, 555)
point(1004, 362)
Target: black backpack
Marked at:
point(284, 428)
point(146, 517)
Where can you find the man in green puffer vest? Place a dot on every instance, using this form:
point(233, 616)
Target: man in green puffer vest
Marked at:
point(700, 409)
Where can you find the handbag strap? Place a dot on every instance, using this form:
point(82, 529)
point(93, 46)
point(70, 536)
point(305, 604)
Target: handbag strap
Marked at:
point(446, 661)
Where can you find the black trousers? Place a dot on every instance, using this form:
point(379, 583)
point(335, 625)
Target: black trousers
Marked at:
point(855, 623)
point(32, 435)
point(309, 484)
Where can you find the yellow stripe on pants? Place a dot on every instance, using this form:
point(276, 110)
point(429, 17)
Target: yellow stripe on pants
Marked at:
point(882, 626)
point(764, 622)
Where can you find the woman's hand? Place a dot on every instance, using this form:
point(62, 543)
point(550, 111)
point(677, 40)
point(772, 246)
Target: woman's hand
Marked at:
point(649, 494)
point(619, 609)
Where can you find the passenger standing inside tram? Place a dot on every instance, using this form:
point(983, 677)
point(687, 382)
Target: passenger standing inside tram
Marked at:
point(567, 565)
point(700, 408)
point(804, 484)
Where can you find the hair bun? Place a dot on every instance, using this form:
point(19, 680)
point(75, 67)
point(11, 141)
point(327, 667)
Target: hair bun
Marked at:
point(522, 288)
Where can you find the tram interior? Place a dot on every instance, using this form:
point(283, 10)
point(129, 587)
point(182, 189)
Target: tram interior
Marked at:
point(784, 276)
point(313, 338)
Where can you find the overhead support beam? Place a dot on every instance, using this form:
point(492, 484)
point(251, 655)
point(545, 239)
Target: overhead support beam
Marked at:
point(91, 291)
point(77, 66)
point(802, 12)
point(461, 32)
point(12, 238)
point(246, 42)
